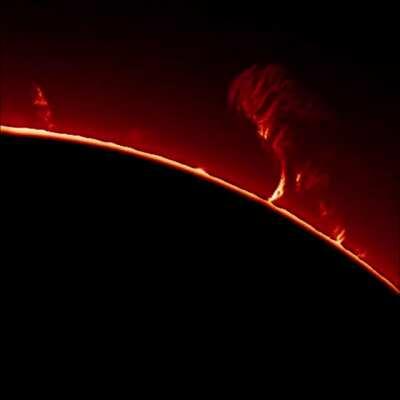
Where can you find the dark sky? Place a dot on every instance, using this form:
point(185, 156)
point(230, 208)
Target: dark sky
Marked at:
point(158, 79)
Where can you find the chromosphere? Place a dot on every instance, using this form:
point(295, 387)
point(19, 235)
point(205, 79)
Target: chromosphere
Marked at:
point(22, 132)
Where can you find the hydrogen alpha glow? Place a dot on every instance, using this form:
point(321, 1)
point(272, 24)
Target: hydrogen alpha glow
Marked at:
point(199, 172)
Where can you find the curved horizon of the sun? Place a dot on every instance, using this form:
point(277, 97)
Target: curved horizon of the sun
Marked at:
point(201, 173)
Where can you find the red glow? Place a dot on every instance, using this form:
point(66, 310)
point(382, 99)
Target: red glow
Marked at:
point(323, 211)
point(43, 108)
point(337, 242)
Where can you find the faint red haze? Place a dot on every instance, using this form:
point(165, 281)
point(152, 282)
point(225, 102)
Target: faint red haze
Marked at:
point(42, 107)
